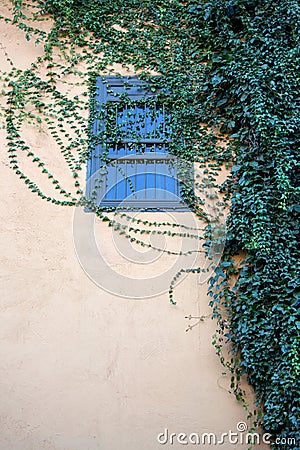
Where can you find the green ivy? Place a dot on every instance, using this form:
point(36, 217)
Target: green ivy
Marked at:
point(231, 66)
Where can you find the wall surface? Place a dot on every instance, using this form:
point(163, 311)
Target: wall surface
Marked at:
point(82, 368)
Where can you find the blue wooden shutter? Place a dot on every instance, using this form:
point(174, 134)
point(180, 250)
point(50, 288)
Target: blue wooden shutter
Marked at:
point(138, 170)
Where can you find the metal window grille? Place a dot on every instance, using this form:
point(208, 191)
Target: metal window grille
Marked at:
point(130, 165)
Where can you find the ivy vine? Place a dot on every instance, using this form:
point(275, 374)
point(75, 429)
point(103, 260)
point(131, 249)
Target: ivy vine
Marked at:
point(231, 66)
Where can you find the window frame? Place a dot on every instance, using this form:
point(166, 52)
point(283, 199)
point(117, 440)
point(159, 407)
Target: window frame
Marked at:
point(94, 162)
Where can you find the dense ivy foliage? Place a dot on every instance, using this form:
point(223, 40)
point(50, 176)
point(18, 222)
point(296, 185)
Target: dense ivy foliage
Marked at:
point(229, 64)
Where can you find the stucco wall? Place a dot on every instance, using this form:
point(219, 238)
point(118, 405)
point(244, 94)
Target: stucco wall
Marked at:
point(81, 368)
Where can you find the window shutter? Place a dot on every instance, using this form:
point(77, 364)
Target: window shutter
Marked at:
point(139, 170)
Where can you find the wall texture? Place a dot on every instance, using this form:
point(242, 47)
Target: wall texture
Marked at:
point(82, 368)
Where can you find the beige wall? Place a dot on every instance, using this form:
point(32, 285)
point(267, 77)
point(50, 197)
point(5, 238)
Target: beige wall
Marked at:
point(83, 369)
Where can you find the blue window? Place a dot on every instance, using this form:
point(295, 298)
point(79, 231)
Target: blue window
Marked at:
point(130, 165)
